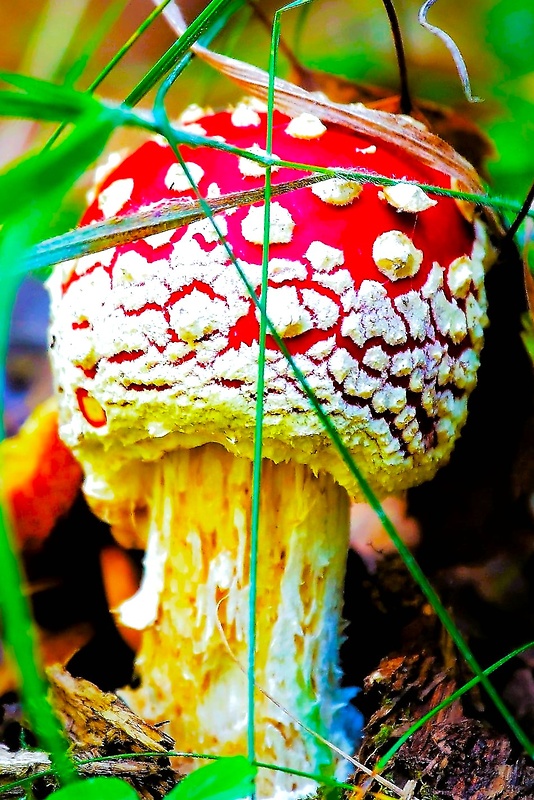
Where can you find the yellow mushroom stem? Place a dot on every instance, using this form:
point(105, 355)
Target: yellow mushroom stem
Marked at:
point(191, 511)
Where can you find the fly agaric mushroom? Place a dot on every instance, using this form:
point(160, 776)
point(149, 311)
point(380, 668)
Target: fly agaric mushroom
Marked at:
point(379, 297)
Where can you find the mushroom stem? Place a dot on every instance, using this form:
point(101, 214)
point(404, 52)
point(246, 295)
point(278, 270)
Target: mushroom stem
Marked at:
point(197, 509)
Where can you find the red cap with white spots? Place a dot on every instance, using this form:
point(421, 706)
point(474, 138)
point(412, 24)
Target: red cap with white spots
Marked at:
point(377, 293)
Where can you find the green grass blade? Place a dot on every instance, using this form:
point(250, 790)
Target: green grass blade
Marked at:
point(109, 17)
point(40, 99)
point(20, 636)
point(20, 106)
point(201, 25)
point(43, 182)
point(107, 21)
point(260, 391)
point(118, 230)
point(44, 89)
point(126, 47)
point(18, 629)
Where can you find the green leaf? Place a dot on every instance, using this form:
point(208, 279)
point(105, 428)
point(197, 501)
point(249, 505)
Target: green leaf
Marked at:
point(41, 99)
point(202, 24)
point(97, 789)
point(226, 779)
point(23, 186)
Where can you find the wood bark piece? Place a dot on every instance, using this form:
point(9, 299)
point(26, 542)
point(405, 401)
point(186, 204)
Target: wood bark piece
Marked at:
point(96, 719)
point(98, 724)
point(141, 773)
point(457, 755)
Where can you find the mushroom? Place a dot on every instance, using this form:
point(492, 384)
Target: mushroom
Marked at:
point(40, 479)
point(154, 349)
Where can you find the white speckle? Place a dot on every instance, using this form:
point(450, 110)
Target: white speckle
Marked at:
point(339, 281)
point(416, 445)
point(446, 404)
point(194, 128)
point(131, 267)
point(283, 269)
point(362, 385)
point(214, 190)
point(115, 196)
point(465, 370)
point(193, 113)
point(446, 370)
point(197, 315)
point(417, 380)
point(401, 364)
point(370, 150)
point(410, 430)
point(418, 357)
point(85, 263)
point(428, 401)
point(281, 227)
point(416, 313)
point(459, 276)
point(158, 239)
point(446, 430)
point(324, 258)
point(476, 320)
point(449, 318)
point(433, 354)
point(434, 282)
point(389, 398)
point(207, 229)
point(396, 256)
point(407, 197)
point(286, 312)
point(376, 358)
point(349, 299)
point(373, 315)
point(404, 418)
point(251, 169)
point(135, 296)
point(305, 126)
point(321, 350)
point(337, 191)
point(244, 115)
point(379, 430)
point(160, 140)
point(102, 171)
point(176, 350)
point(177, 180)
point(324, 311)
point(342, 364)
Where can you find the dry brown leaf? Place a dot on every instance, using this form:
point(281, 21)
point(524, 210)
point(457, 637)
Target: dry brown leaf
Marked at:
point(396, 129)
point(458, 131)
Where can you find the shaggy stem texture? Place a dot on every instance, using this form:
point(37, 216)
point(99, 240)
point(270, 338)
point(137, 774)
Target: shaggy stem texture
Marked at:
point(193, 604)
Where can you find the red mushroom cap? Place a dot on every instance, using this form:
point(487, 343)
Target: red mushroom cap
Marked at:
point(377, 293)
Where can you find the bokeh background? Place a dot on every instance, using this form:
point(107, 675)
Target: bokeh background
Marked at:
point(52, 38)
